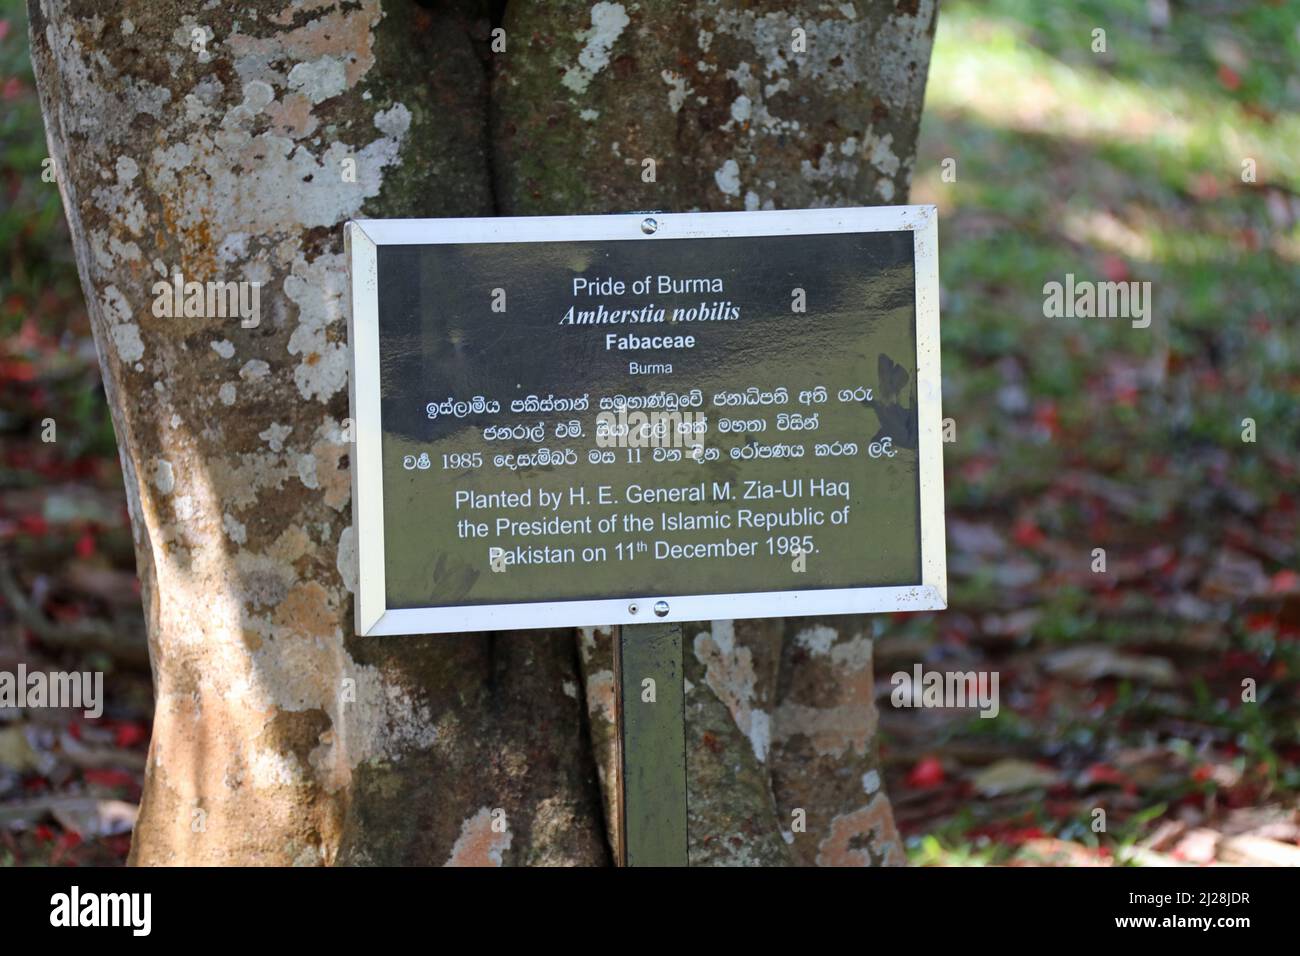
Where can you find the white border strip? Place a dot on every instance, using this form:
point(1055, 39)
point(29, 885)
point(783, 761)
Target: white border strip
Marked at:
point(363, 403)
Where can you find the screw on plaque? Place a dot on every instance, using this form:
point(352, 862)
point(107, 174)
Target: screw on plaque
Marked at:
point(661, 608)
point(650, 225)
point(632, 608)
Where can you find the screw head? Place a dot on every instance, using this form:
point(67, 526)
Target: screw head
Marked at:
point(632, 608)
point(661, 608)
point(649, 226)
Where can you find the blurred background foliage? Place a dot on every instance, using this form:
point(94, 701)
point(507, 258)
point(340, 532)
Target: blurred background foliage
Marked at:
point(1122, 691)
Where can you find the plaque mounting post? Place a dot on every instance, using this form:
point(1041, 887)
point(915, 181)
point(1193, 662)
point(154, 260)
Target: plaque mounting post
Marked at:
point(650, 707)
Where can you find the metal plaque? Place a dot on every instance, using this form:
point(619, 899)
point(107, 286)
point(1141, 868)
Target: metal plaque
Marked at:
point(565, 421)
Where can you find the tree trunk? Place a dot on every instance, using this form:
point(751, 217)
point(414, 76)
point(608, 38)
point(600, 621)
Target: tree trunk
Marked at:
point(231, 145)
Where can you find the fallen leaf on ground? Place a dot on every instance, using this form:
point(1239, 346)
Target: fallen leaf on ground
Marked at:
point(1197, 846)
point(1258, 851)
point(1091, 662)
point(1013, 776)
point(88, 817)
point(15, 752)
point(1049, 852)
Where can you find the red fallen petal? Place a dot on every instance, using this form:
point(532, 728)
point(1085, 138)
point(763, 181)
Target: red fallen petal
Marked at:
point(1240, 797)
point(1205, 187)
point(927, 773)
point(1105, 697)
point(65, 612)
point(108, 778)
point(1061, 809)
point(16, 370)
point(128, 735)
point(86, 545)
point(1101, 773)
point(1045, 413)
point(1228, 77)
point(1262, 621)
point(1114, 268)
point(1284, 581)
point(1237, 659)
point(1027, 534)
point(1025, 834)
point(33, 524)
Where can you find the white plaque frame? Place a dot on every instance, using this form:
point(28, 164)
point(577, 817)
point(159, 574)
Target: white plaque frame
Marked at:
point(362, 239)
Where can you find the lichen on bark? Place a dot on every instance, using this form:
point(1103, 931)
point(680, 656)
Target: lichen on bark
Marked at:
point(739, 105)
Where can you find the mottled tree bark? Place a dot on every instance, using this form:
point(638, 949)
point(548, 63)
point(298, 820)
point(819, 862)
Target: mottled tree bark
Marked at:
point(279, 736)
point(231, 144)
point(718, 106)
